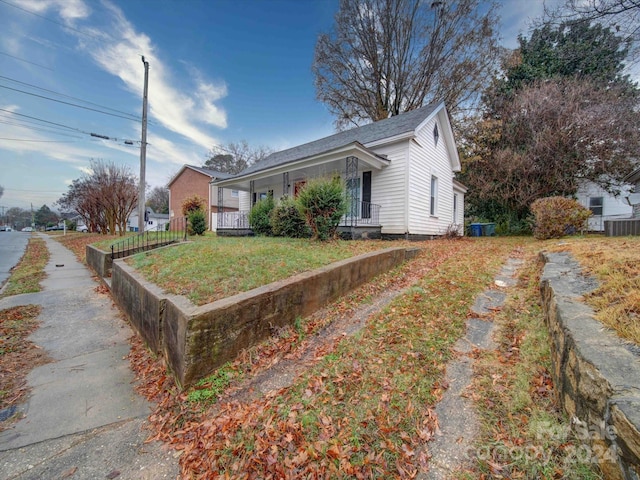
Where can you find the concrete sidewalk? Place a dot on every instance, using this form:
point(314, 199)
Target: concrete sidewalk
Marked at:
point(83, 419)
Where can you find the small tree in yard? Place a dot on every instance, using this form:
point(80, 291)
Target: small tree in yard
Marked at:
point(556, 217)
point(193, 209)
point(197, 222)
point(322, 202)
point(259, 216)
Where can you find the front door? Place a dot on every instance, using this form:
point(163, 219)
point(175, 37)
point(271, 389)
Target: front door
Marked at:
point(366, 194)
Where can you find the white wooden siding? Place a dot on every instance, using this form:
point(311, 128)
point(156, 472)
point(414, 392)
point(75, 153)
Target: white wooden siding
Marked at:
point(612, 207)
point(244, 201)
point(428, 159)
point(389, 188)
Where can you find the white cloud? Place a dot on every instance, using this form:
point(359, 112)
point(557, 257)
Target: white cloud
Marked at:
point(118, 50)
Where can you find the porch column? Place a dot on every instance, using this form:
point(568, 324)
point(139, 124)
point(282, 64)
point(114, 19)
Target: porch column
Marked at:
point(351, 179)
point(251, 192)
point(285, 183)
point(220, 207)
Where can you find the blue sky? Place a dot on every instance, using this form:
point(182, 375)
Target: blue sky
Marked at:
point(220, 71)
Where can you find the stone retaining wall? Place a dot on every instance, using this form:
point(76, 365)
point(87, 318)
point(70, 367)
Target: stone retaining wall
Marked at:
point(597, 376)
point(98, 260)
point(196, 340)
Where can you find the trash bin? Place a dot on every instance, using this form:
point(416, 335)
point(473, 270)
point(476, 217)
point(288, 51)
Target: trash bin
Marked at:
point(489, 229)
point(476, 229)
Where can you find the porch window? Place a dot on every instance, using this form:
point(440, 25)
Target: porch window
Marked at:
point(235, 193)
point(433, 207)
point(596, 205)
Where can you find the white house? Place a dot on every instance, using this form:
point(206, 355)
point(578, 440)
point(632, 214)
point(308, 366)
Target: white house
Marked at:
point(399, 175)
point(603, 205)
point(153, 221)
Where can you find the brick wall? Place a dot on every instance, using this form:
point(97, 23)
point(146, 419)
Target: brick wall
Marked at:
point(187, 184)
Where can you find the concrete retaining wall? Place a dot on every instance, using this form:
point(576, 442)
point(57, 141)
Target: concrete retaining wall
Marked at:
point(98, 260)
point(196, 340)
point(597, 376)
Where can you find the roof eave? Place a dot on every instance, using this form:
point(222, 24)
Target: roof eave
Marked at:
point(355, 149)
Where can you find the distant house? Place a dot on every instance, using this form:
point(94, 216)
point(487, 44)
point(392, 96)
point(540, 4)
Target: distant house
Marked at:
point(633, 199)
point(152, 221)
point(191, 180)
point(398, 172)
point(603, 205)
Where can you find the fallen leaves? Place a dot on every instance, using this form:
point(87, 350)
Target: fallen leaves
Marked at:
point(359, 407)
point(18, 356)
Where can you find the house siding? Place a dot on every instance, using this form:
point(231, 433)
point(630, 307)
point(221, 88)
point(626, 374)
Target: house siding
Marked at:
point(389, 189)
point(429, 160)
point(612, 207)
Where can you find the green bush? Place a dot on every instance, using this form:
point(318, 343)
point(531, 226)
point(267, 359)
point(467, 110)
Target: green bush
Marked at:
point(322, 202)
point(259, 216)
point(197, 222)
point(556, 217)
point(287, 221)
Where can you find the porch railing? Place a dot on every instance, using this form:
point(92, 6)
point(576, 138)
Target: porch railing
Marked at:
point(233, 220)
point(174, 231)
point(364, 213)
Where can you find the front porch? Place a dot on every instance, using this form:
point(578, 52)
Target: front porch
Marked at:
point(365, 224)
point(353, 164)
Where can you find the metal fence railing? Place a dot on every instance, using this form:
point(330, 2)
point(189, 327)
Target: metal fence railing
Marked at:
point(238, 220)
point(172, 232)
point(364, 213)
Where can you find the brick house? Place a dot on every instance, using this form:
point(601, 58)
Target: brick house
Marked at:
point(191, 180)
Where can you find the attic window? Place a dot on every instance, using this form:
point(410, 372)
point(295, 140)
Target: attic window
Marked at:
point(436, 135)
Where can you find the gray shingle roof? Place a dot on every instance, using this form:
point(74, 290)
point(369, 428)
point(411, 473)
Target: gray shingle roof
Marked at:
point(211, 173)
point(389, 127)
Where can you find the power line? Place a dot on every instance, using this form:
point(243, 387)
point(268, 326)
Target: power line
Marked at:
point(49, 19)
point(67, 103)
point(40, 129)
point(36, 141)
point(126, 141)
point(68, 96)
point(26, 61)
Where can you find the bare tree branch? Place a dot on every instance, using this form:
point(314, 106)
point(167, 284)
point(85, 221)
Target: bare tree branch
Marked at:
point(385, 57)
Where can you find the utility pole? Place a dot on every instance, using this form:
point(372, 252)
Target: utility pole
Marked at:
point(143, 150)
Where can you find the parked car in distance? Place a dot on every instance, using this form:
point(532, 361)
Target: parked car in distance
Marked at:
point(82, 228)
point(5, 228)
point(27, 229)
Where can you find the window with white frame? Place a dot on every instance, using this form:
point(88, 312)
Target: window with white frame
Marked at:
point(235, 193)
point(433, 201)
point(596, 205)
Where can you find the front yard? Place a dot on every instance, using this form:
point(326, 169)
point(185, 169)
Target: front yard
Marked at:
point(362, 406)
point(211, 268)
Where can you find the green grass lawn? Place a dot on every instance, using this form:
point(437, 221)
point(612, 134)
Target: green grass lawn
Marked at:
point(211, 268)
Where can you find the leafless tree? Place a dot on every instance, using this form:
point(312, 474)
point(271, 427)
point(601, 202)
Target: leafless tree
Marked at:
point(235, 157)
point(385, 57)
point(548, 138)
point(104, 198)
point(158, 199)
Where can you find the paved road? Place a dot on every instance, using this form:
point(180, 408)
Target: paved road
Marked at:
point(12, 245)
